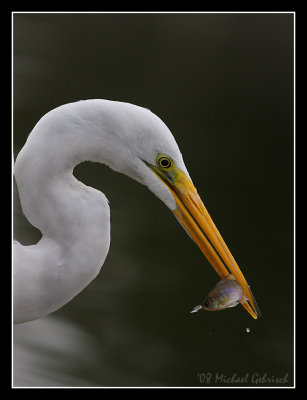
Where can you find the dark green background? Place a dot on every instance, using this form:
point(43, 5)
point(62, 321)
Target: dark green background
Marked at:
point(223, 84)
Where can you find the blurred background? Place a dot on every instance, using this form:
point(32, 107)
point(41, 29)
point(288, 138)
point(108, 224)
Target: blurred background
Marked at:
point(223, 84)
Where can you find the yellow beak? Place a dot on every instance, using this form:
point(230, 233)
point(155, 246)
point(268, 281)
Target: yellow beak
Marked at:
point(194, 217)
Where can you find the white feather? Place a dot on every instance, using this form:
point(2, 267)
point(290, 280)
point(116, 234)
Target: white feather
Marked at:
point(75, 219)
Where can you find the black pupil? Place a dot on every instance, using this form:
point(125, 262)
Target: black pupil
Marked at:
point(164, 162)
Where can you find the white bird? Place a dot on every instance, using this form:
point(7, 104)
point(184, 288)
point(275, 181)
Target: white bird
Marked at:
point(74, 219)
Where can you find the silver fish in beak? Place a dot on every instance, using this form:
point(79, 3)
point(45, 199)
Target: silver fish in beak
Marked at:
point(225, 294)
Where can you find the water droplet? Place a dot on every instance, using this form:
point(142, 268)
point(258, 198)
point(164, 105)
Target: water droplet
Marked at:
point(248, 330)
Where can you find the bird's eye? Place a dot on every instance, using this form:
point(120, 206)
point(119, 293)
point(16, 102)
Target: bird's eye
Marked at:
point(164, 162)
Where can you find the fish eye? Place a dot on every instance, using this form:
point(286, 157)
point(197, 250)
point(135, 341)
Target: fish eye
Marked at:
point(207, 303)
point(164, 161)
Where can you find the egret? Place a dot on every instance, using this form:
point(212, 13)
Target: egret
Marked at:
point(74, 219)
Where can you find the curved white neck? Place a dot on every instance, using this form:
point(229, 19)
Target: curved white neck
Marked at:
point(74, 218)
point(49, 193)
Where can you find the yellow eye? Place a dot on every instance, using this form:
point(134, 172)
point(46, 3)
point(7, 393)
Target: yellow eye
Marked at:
point(164, 161)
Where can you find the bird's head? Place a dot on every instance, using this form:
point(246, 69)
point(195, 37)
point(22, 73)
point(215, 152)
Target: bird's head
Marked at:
point(150, 155)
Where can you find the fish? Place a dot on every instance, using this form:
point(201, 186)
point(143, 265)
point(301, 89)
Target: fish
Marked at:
point(226, 293)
